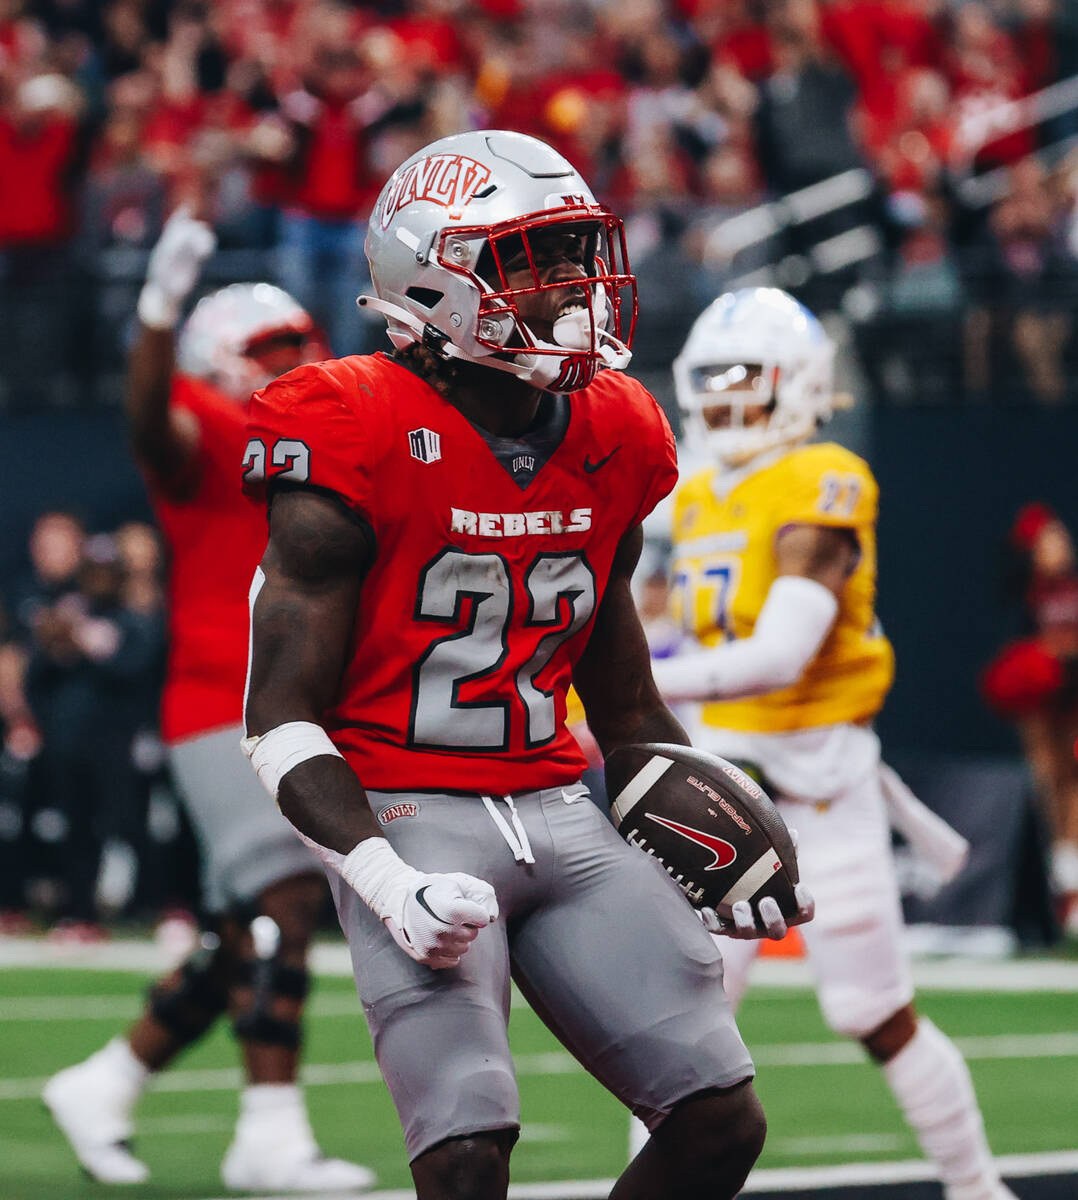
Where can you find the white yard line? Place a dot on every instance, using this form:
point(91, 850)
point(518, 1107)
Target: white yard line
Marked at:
point(558, 1062)
point(1013, 1166)
point(128, 1006)
point(995, 1046)
point(331, 959)
point(1017, 1166)
point(839, 1143)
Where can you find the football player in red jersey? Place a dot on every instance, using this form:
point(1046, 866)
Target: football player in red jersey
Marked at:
point(453, 528)
point(262, 887)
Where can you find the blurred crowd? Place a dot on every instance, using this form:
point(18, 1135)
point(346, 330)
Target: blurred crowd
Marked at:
point(89, 828)
point(280, 119)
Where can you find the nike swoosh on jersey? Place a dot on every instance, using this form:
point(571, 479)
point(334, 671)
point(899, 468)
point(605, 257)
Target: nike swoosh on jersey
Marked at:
point(592, 467)
point(723, 851)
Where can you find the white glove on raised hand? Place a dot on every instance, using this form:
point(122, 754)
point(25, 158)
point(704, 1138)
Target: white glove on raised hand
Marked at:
point(175, 262)
point(434, 918)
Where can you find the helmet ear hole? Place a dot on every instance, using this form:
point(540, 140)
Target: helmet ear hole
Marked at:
point(486, 268)
point(427, 297)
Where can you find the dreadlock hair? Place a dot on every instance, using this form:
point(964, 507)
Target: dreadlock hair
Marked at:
point(442, 374)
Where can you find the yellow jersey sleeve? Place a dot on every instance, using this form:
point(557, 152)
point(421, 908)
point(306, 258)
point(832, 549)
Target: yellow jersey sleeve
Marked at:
point(826, 484)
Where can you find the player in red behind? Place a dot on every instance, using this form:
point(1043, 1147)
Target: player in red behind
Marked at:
point(262, 888)
point(452, 533)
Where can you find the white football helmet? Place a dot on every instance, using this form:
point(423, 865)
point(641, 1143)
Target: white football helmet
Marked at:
point(442, 231)
point(764, 337)
point(227, 324)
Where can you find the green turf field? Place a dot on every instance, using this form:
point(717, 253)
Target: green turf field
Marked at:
point(823, 1102)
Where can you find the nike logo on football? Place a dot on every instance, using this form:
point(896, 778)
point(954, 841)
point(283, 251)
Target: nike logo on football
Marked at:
point(723, 851)
point(592, 467)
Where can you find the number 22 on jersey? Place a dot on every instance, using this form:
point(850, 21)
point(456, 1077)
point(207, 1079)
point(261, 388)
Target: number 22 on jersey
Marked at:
point(557, 599)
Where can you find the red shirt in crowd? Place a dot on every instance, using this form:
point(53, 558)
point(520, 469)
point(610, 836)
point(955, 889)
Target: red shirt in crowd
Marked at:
point(36, 155)
point(336, 183)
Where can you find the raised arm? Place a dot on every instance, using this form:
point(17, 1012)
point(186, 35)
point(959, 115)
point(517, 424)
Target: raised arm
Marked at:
point(304, 601)
point(164, 439)
point(613, 676)
point(813, 563)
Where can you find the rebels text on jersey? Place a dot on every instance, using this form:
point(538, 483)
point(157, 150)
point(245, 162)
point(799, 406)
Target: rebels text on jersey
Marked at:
point(488, 568)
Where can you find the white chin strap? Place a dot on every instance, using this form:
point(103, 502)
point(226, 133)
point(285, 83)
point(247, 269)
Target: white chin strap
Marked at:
point(572, 332)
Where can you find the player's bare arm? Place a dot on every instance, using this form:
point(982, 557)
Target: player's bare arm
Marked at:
point(164, 440)
point(613, 676)
point(819, 552)
point(301, 626)
point(624, 708)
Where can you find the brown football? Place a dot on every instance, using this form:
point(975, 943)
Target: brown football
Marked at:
point(714, 830)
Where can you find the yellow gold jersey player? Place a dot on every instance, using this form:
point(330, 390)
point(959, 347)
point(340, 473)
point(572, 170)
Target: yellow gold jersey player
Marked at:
point(732, 531)
point(774, 581)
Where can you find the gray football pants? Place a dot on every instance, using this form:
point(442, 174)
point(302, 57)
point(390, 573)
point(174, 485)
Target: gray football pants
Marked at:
point(595, 934)
point(245, 843)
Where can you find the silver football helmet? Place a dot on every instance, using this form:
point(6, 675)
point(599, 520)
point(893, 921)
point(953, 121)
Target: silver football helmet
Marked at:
point(226, 325)
point(753, 347)
point(446, 225)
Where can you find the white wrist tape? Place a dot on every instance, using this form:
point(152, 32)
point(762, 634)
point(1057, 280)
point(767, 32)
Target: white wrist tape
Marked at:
point(274, 753)
point(793, 624)
point(156, 308)
point(372, 869)
point(379, 876)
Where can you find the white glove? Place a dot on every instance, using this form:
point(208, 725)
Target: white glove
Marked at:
point(434, 918)
point(184, 245)
point(765, 920)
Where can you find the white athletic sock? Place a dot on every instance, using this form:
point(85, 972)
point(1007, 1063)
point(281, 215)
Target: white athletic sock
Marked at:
point(128, 1073)
point(931, 1082)
point(638, 1136)
point(274, 1148)
point(275, 1114)
point(1064, 866)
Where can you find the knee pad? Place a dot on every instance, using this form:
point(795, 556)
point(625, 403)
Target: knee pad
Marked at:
point(269, 979)
point(857, 1012)
point(188, 1002)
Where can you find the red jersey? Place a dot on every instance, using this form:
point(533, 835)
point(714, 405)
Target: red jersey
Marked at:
point(488, 568)
point(38, 210)
point(215, 539)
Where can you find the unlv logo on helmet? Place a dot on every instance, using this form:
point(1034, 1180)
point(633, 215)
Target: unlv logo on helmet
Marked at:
point(449, 180)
